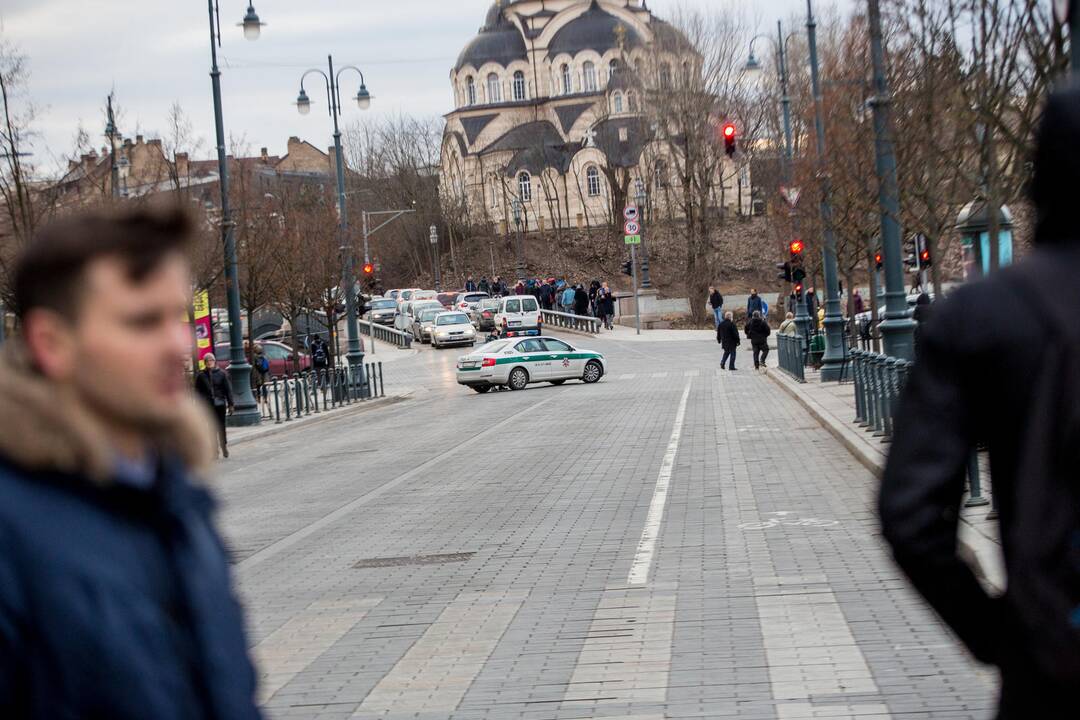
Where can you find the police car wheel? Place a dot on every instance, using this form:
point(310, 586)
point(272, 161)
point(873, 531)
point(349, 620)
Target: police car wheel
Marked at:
point(518, 379)
point(593, 372)
point(481, 388)
point(556, 382)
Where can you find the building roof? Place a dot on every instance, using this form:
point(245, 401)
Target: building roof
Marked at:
point(499, 41)
point(595, 29)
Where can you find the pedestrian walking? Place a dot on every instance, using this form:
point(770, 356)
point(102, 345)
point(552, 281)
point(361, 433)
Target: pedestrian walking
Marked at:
point(566, 300)
point(992, 371)
point(789, 326)
point(484, 286)
point(320, 355)
point(581, 301)
point(470, 284)
point(857, 303)
point(116, 599)
point(594, 288)
point(212, 384)
point(716, 302)
point(753, 304)
point(758, 331)
point(605, 304)
point(728, 337)
point(260, 372)
point(547, 295)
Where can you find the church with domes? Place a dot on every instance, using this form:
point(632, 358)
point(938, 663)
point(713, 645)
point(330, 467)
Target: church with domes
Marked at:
point(549, 115)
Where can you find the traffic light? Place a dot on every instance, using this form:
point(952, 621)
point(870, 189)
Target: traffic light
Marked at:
point(911, 253)
point(369, 269)
point(728, 131)
point(628, 268)
point(796, 247)
point(877, 260)
point(798, 290)
point(925, 260)
point(798, 274)
point(785, 271)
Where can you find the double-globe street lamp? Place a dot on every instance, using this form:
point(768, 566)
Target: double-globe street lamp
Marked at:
point(802, 319)
point(433, 235)
point(246, 409)
point(354, 355)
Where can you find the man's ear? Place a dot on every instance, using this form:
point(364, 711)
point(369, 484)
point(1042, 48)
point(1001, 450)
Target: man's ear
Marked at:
point(50, 338)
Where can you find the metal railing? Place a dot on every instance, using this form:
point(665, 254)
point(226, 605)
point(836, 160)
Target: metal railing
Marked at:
point(879, 379)
point(791, 350)
point(579, 323)
point(390, 335)
point(284, 398)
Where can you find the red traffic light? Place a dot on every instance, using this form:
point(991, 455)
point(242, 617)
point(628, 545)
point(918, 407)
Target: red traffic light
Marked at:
point(877, 260)
point(798, 289)
point(796, 247)
point(925, 255)
point(369, 268)
point(729, 130)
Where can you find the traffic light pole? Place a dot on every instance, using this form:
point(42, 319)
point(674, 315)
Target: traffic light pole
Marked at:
point(832, 363)
point(637, 299)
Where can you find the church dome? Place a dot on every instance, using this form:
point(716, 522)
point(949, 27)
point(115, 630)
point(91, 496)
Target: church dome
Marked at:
point(595, 29)
point(499, 41)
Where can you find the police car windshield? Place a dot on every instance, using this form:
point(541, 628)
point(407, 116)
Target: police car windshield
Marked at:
point(455, 319)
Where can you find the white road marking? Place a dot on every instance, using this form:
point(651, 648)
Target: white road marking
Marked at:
point(691, 373)
point(659, 375)
point(627, 376)
point(639, 570)
point(286, 652)
point(440, 667)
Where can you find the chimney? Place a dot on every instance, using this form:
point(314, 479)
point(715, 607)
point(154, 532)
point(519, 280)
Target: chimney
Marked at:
point(293, 142)
point(138, 140)
point(263, 154)
point(156, 142)
point(182, 164)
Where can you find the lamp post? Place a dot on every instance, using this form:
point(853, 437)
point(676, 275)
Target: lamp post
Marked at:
point(515, 207)
point(246, 409)
point(897, 329)
point(802, 319)
point(641, 197)
point(832, 363)
point(368, 230)
point(434, 236)
point(354, 356)
point(113, 136)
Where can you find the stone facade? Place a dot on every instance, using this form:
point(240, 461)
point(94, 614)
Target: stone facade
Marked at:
point(548, 113)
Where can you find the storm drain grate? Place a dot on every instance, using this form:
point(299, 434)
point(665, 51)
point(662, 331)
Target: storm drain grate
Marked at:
point(414, 560)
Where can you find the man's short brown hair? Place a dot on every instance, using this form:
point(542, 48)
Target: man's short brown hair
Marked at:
point(50, 271)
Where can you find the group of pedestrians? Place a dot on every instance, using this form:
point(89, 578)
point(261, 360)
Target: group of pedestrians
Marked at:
point(757, 331)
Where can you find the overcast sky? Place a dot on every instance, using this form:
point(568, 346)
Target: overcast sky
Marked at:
point(155, 52)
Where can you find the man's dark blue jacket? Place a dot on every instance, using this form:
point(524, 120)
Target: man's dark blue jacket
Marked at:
point(115, 601)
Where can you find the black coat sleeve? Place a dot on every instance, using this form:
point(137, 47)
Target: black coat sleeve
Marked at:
point(923, 485)
point(226, 385)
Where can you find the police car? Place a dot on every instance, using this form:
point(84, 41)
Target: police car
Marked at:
point(516, 362)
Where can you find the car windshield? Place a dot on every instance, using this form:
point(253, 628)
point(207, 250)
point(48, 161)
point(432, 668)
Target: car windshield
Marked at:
point(429, 314)
point(383, 304)
point(455, 319)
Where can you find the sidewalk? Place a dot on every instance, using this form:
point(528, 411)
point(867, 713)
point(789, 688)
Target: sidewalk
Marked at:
point(833, 405)
point(238, 435)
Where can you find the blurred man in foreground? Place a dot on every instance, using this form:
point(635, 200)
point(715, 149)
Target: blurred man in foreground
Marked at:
point(115, 596)
point(999, 364)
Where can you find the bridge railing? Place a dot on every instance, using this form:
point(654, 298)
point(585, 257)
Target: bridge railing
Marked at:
point(568, 321)
point(791, 350)
point(393, 336)
point(879, 380)
point(283, 398)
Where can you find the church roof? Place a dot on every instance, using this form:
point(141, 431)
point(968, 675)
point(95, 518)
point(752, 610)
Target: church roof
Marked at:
point(499, 41)
point(595, 29)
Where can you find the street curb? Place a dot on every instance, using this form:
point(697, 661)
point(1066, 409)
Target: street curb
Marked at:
point(358, 407)
point(984, 555)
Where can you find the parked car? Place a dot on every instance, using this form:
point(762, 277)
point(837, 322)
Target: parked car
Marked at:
point(452, 328)
point(421, 324)
point(518, 315)
point(467, 300)
point(382, 311)
point(278, 354)
point(447, 299)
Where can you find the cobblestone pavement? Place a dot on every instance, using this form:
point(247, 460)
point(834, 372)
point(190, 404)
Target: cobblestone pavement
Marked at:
point(673, 542)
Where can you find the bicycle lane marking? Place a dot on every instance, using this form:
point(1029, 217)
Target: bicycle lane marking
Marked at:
point(639, 570)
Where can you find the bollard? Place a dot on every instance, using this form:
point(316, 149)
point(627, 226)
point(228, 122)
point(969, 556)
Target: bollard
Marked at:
point(315, 390)
point(878, 393)
point(304, 387)
point(382, 386)
point(890, 395)
point(975, 498)
point(277, 404)
point(856, 366)
point(288, 402)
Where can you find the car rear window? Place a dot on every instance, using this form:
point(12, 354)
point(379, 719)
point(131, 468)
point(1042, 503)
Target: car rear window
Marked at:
point(492, 347)
point(513, 306)
point(455, 319)
point(383, 304)
point(529, 305)
point(475, 297)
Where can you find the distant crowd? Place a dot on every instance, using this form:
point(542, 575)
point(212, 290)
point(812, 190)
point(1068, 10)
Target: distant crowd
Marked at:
point(556, 294)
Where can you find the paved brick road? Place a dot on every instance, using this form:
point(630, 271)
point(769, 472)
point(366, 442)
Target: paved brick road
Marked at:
point(575, 552)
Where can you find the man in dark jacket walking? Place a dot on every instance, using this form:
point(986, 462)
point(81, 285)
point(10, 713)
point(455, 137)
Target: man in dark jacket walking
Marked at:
point(728, 337)
point(990, 371)
point(213, 386)
point(716, 303)
point(753, 304)
point(758, 331)
point(605, 305)
point(115, 597)
point(581, 301)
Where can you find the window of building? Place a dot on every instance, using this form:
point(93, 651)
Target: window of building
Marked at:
point(624, 134)
point(470, 91)
point(612, 67)
point(631, 102)
point(494, 92)
point(590, 76)
point(519, 86)
point(495, 191)
point(524, 186)
point(567, 80)
point(616, 102)
point(592, 179)
point(665, 76)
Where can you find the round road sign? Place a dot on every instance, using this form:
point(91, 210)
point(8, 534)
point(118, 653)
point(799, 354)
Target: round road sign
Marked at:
point(630, 212)
point(631, 227)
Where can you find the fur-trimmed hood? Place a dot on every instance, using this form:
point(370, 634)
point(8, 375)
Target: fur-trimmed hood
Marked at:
point(44, 428)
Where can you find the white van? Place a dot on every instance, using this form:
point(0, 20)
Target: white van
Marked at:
point(518, 315)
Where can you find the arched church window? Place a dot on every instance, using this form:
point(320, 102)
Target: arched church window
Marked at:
point(524, 186)
point(470, 91)
point(567, 80)
point(494, 92)
point(590, 76)
point(519, 86)
point(612, 67)
point(592, 180)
